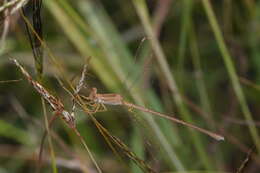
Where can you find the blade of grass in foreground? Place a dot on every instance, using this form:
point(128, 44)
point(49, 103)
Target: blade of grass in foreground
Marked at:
point(231, 72)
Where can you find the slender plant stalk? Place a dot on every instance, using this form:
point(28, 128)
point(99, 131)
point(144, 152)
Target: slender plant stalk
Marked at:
point(187, 5)
point(137, 145)
point(200, 78)
point(249, 83)
point(52, 152)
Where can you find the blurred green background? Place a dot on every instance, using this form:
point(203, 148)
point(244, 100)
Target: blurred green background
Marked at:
point(197, 60)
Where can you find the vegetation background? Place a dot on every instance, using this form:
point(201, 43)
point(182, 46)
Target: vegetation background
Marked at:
point(198, 60)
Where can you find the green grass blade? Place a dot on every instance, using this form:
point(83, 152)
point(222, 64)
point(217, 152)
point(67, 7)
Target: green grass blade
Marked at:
point(137, 146)
point(187, 5)
point(10, 131)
